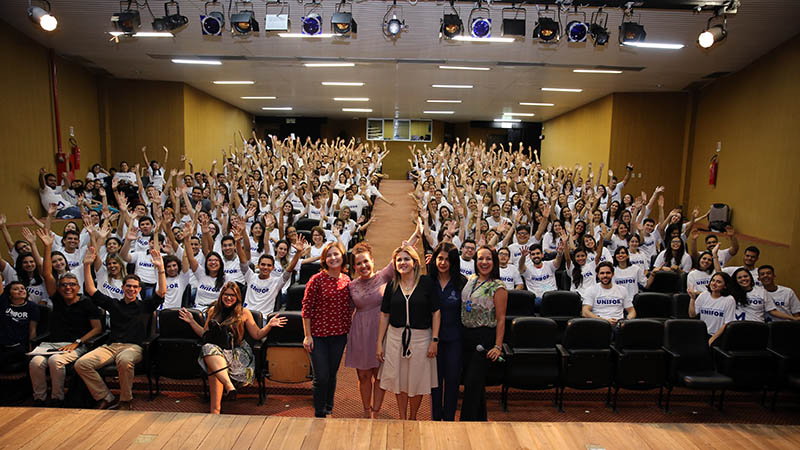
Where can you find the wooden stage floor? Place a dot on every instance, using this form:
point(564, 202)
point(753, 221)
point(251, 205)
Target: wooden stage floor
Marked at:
point(79, 429)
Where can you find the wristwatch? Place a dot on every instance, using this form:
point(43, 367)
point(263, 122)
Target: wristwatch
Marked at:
point(78, 341)
point(435, 339)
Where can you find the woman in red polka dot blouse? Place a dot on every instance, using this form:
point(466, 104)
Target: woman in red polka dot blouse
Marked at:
point(327, 312)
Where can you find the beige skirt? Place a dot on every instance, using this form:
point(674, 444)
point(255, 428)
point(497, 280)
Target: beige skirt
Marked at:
point(415, 375)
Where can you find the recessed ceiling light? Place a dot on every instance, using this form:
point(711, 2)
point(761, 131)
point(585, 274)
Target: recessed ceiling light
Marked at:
point(277, 108)
point(208, 62)
point(342, 83)
point(464, 68)
point(661, 45)
point(519, 114)
point(330, 64)
point(438, 112)
point(507, 120)
point(443, 101)
point(452, 86)
point(234, 82)
point(350, 99)
point(259, 98)
point(562, 90)
point(489, 39)
point(366, 110)
point(142, 34)
point(536, 104)
point(301, 35)
point(595, 71)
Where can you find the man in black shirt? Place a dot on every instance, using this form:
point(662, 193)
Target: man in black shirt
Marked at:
point(129, 319)
point(74, 320)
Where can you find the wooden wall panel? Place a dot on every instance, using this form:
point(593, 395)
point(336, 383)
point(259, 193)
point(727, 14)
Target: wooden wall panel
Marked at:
point(579, 136)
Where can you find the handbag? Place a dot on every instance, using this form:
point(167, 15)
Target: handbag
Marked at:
point(218, 335)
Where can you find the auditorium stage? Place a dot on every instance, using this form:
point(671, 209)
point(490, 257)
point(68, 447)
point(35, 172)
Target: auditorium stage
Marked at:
point(79, 429)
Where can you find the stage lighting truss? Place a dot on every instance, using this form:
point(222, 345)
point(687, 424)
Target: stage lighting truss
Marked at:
point(598, 29)
point(170, 22)
point(311, 21)
point(213, 21)
point(394, 22)
point(630, 31)
point(277, 17)
point(243, 19)
point(548, 26)
point(480, 22)
point(714, 33)
point(577, 29)
point(128, 19)
point(451, 24)
point(513, 21)
point(41, 16)
point(342, 22)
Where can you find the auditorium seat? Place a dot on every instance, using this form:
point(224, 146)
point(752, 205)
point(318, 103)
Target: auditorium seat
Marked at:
point(257, 345)
point(520, 304)
point(294, 297)
point(665, 282)
point(638, 354)
point(283, 356)
point(561, 306)
point(307, 271)
point(305, 224)
point(742, 355)
point(784, 337)
point(533, 361)
point(585, 356)
point(175, 349)
point(680, 306)
point(689, 360)
point(652, 305)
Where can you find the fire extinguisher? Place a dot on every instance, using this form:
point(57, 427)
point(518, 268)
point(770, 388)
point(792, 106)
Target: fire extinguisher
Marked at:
point(75, 155)
point(712, 171)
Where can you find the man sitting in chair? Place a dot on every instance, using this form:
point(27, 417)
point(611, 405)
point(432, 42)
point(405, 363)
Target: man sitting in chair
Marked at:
point(129, 319)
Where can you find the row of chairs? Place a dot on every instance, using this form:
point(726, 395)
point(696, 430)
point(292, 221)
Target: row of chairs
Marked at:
point(647, 354)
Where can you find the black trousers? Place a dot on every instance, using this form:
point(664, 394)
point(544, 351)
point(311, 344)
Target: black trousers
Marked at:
point(476, 365)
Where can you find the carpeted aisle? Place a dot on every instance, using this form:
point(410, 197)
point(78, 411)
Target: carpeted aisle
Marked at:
point(392, 224)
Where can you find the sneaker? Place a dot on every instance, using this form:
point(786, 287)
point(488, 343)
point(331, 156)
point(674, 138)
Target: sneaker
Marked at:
point(124, 406)
point(38, 403)
point(105, 404)
point(55, 403)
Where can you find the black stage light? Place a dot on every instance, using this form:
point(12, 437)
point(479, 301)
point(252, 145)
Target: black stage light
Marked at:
point(631, 32)
point(127, 21)
point(451, 24)
point(577, 29)
point(548, 28)
point(480, 22)
point(213, 22)
point(311, 24)
point(513, 25)
point(394, 26)
point(244, 21)
point(598, 29)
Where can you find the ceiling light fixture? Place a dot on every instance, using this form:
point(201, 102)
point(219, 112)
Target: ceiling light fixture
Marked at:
point(330, 64)
point(548, 28)
point(276, 21)
point(577, 29)
point(42, 16)
point(598, 29)
point(438, 112)
point(536, 104)
point(561, 89)
point(207, 62)
point(659, 45)
point(464, 68)
point(713, 33)
point(443, 101)
point(342, 83)
point(596, 71)
point(350, 99)
point(363, 110)
point(508, 120)
point(513, 25)
point(452, 86)
point(259, 98)
point(630, 31)
point(311, 21)
point(484, 40)
point(233, 82)
point(277, 108)
point(213, 22)
point(342, 22)
point(126, 20)
point(512, 114)
point(243, 21)
point(480, 22)
point(171, 22)
point(451, 25)
point(153, 34)
point(394, 26)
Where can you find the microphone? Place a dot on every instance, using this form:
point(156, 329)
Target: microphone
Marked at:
point(480, 349)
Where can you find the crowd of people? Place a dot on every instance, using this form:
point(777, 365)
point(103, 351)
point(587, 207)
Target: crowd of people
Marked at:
point(225, 241)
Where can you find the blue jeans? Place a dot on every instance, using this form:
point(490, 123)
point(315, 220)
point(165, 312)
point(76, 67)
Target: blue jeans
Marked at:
point(73, 212)
point(444, 399)
point(325, 360)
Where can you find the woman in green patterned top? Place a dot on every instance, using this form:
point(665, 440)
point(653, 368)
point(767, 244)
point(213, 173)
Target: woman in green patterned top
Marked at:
point(483, 314)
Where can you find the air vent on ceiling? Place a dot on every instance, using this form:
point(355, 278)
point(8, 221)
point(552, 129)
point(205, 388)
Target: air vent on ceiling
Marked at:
point(715, 75)
point(78, 59)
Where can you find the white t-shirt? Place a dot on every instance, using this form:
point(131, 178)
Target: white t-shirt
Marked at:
point(128, 177)
point(588, 276)
point(605, 255)
point(232, 270)
point(175, 287)
point(724, 256)
point(37, 293)
point(261, 293)
point(685, 264)
point(630, 278)
point(75, 263)
point(494, 223)
point(49, 195)
point(649, 244)
point(156, 177)
point(729, 270)
point(111, 287)
point(757, 306)
point(144, 267)
point(639, 259)
point(510, 276)
point(608, 303)
point(715, 312)
point(616, 242)
point(357, 204)
point(785, 300)
point(697, 281)
point(467, 267)
point(207, 293)
point(550, 245)
point(540, 279)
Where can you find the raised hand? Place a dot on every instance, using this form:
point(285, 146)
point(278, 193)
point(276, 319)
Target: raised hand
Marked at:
point(158, 260)
point(45, 237)
point(89, 256)
point(26, 233)
point(277, 321)
point(3, 219)
point(300, 244)
point(132, 234)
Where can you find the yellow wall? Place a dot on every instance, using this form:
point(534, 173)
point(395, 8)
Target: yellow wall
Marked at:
point(28, 122)
point(755, 114)
point(209, 125)
point(647, 130)
point(579, 136)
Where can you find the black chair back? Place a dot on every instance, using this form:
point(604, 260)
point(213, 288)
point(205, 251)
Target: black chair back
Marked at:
point(744, 336)
point(680, 306)
point(534, 362)
point(307, 271)
point(289, 335)
point(640, 359)
point(784, 338)
point(742, 355)
point(305, 224)
point(689, 339)
point(640, 334)
point(258, 318)
point(561, 304)
point(294, 297)
point(652, 305)
point(533, 333)
point(306, 234)
point(583, 333)
point(521, 303)
point(666, 282)
point(170, 325)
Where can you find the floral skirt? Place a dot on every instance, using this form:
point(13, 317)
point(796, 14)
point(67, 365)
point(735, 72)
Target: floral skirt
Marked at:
point(240, 360)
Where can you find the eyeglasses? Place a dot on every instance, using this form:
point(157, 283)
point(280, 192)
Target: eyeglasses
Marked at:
point(229, 295)
point(70, 285)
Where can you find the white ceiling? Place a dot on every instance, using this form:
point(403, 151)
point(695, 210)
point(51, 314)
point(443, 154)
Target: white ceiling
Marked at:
point(398, 88)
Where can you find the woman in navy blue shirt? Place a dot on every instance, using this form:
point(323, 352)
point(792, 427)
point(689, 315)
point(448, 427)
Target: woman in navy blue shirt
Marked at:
point(444, 267)
point(18, 319)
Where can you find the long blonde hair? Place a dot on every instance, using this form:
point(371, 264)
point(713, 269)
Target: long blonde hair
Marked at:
point(234, 320)
point(417, 265)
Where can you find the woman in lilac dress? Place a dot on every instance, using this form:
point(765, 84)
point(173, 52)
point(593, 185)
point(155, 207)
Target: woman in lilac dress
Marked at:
point(366, 292)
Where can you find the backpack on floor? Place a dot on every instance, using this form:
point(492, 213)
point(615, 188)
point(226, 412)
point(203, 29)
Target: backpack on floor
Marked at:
point(719, 217)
